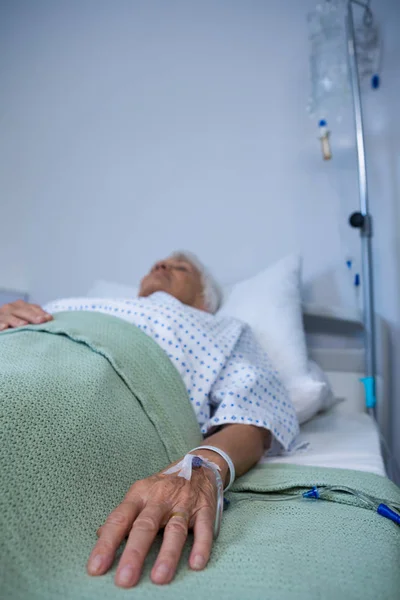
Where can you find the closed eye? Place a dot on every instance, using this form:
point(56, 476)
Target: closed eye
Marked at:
point(181, 269)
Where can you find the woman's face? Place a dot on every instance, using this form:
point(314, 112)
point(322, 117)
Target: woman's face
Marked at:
point(177, 277)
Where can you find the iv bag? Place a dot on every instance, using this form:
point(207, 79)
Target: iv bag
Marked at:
point(368, 50)
point(330, 81)
point(330, 86)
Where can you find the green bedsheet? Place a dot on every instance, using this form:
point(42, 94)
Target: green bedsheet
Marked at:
point(88, 404)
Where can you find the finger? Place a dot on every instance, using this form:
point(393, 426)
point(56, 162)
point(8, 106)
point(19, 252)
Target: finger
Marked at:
point(40, 313)
point(100, 529)
point(203, 538)
point(30, 313)
point(14, 321)
point(3, 325)
point(113, 532)
point(175, 535)
point(23, 315)
point(140, 539)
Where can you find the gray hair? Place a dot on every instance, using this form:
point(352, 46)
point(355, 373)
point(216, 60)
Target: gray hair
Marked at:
point(211, 290)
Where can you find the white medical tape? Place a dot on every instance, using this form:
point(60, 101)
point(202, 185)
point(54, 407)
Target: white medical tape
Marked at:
point(184, 467)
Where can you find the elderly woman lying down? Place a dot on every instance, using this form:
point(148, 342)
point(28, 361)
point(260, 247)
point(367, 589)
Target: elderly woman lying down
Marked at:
point(235, 393)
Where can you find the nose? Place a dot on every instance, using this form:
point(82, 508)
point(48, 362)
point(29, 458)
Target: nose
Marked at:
point(160, 265)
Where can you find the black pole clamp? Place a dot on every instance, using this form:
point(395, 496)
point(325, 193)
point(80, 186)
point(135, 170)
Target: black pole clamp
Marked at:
point(362, 222)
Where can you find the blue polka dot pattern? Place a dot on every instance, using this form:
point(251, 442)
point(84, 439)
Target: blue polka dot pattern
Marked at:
point(217, 357)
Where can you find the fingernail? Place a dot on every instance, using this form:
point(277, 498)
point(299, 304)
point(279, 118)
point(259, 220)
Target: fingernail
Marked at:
point(125, 576)
point(198, 562)
point(162, 572)
point(95, 564)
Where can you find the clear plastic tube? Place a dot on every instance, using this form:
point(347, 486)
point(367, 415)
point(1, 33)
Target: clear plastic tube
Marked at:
point(322, 493)
point(370, 501)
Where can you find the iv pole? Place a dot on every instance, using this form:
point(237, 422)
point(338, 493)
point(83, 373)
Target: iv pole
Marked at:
point(363, 220)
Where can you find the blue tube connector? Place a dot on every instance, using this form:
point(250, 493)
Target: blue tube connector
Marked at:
point(369, 387)
point(311, 493)
point(387, 512)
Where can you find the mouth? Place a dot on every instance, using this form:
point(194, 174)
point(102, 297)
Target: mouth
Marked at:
point(162, 274)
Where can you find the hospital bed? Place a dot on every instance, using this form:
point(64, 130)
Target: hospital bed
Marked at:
point(339, 558)
point(345, 437)
point(274, 543)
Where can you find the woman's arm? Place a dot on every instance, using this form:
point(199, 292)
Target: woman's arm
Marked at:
point(248, 391)
point(173, 503)
point(244, 444)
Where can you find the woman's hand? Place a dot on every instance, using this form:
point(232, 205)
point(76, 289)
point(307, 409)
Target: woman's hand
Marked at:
point(20, 313)
point(150, 504)
point(160, 501)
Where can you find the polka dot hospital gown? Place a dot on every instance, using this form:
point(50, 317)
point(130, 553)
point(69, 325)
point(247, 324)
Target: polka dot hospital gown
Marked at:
point(228, 376)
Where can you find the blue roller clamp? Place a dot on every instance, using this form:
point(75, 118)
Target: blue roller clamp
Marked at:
point(375, 82)
point(369, 387)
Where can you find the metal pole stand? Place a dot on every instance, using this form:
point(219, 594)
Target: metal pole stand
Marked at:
point(363, 221)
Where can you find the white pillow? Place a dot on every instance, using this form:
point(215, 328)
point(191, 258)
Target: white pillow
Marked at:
point(270, 302)
point(108, 289)
point(311, 393)
point(327, 398)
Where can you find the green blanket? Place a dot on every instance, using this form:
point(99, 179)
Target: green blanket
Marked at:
point(89, 404)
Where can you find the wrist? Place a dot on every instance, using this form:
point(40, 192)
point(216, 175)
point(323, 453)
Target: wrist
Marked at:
point(216, 459)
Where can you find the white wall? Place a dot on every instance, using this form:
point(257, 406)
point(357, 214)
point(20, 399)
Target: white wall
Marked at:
point(128, 129)
point(142, 126)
